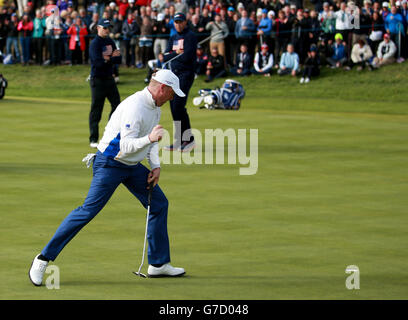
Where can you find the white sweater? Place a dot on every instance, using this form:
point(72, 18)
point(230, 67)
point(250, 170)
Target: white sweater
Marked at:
point(126, 136)
point(386, 50)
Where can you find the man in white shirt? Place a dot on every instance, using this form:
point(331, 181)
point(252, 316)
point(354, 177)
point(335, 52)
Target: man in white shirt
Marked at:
point(343, 21)
point(131, 135)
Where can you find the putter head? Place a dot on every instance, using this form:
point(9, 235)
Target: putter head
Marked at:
point(140, 274)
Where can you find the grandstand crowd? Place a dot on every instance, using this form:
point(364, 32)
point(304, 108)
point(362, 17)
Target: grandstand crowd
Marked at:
point(246, 36)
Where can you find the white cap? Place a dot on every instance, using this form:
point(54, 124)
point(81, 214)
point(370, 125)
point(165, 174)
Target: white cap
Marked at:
point(240, 5)
point(398, 3)
point(112, 4)
point(131, 1)
point(404, 1)
point(259, 12)
point(168, 78)
point(160, 17)
point(271, 13)
point(385, 4)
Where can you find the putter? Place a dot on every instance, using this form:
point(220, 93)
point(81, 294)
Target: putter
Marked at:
point(149, 200)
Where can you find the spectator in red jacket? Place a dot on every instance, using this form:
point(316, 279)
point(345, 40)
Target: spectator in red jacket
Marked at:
point(123, 6)
point(25, 26)
point(77, 45)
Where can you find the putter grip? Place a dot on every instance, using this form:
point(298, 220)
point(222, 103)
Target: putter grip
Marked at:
point(149, 196)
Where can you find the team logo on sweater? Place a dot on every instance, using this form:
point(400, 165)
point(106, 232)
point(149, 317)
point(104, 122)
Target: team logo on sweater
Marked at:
point(178, 44)
point(107, 50)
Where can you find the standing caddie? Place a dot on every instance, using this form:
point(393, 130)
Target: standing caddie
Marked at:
point(182, 45)
point(104, 55)
point(131, 135)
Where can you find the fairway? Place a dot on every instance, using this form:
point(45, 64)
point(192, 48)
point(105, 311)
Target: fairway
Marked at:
point(330, 191)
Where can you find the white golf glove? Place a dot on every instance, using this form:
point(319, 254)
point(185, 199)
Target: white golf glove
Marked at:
point(88, 159)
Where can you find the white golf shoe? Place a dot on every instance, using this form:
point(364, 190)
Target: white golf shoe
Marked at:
point(37, 270)
point(93, 144)
point(166, 270)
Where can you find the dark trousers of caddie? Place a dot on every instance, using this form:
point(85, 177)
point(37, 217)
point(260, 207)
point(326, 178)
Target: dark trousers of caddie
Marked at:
point(101, 88)
point(107, 175)
point(178, 106)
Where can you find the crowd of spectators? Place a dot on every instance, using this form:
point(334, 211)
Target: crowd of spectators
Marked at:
point(247, 36)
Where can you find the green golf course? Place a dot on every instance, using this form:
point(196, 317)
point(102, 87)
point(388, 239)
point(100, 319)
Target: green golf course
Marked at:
point(330, 191)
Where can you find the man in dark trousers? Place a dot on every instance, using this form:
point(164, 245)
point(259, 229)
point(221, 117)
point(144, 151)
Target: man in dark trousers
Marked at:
point(184, 45)
point(104, 55)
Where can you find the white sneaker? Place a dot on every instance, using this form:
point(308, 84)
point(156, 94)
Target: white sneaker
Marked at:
point(166, 270)
point(302, 80)
point(93, 144)
point(37, 270)
point(307, 80)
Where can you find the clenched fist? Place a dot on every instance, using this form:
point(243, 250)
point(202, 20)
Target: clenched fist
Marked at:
point(156, 134)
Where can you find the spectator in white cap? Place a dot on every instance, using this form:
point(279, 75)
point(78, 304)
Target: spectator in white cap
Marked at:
point(385, 9)
point(367, 9)
point(240, 7)
point(161, 31)
point(271, 14)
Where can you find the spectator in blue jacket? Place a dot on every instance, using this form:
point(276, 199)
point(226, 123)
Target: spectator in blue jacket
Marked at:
point(265, 28)
point(244, 29)
point(289, 62)
point(339, 58)
point(394, 25)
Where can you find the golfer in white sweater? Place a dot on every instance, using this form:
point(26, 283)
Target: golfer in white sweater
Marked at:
point(131, 135)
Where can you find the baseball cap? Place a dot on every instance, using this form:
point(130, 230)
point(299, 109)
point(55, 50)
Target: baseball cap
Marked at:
point(231, 9)
point(240, 5)
point(293, 6)
point(271, 13)
point(386, 36)
point(131, 1)
point(385, 4)
point(104, 23)
point(338, 36)
point(398, 3)
point(160, 17)
point(179, 16)
point(168, 78)
point(265, 11)
point(264, 46)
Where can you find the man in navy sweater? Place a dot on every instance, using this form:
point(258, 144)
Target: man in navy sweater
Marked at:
point(104, 55)
point(184, 44)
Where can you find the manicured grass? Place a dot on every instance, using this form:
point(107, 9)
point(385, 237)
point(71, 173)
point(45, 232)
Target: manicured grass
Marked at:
point(330, 191)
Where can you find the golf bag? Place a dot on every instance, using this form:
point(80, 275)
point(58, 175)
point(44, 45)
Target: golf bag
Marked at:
point(227, 97)
point(3, 86)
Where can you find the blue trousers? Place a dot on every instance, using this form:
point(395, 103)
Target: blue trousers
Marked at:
point(107, 175)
